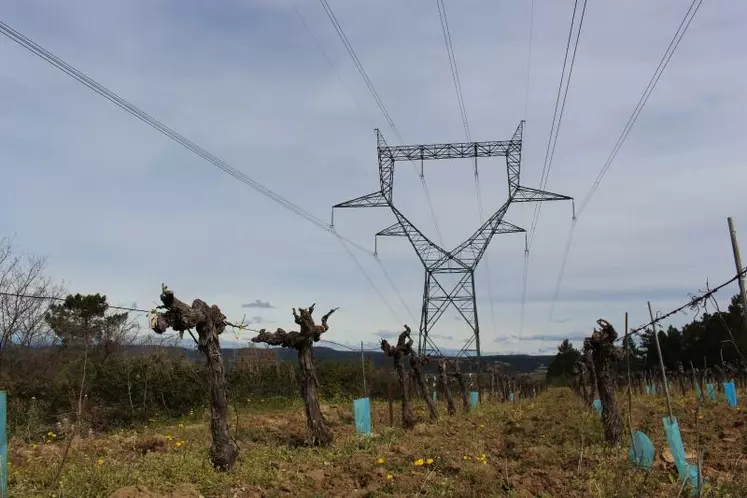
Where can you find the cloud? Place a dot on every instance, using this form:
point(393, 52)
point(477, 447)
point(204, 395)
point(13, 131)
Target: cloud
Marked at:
point(571, 337)
point(258, 303)
point(249, 84)
point(547, 350)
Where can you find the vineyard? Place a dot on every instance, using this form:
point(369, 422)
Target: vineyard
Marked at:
point(552, 445)
point(160, 425)
point(363, 368)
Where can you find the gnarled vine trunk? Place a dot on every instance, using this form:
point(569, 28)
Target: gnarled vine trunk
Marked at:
point(209, 323)
point(416, 363)
point(444, 380)
point(457, 374)
point(398, 353)
point(318, 430)
point(303, 342)
point(603, 354)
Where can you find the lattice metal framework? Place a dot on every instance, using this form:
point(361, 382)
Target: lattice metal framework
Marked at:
point(464, 258)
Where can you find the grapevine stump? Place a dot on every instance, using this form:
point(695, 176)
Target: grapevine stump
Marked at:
point(209, 323)
point(302, 342)
point(603, 355)
point(398, 353)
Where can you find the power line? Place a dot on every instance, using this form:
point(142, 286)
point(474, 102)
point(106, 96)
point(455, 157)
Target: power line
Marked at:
point(44, 54)
point(560, 101)
point(561, 272)
point(62, 299)
point(525, 273)
point(446, 31)
point(673, 44)
point(453, 65)
point(370, 281)
point(529, 65)
point(332, 66)
point(377, 98)
point(554, 131)
point(690, 304)
point(396, 290)
point(355, 350)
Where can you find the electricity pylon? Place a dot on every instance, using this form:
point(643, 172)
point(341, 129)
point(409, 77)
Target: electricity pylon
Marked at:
point(464, 258)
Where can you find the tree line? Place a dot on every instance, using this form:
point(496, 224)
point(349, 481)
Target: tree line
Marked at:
point(710, 339)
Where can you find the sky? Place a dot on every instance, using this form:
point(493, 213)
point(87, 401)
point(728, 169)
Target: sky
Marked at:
point(267, 86)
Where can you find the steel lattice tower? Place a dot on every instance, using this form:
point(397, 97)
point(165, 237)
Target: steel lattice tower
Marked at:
point(463, 259)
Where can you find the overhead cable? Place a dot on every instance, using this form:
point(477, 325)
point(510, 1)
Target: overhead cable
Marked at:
point(668, 53)
point(60, 64)
point(569, 61)
point(377, 98)
point(465, 123)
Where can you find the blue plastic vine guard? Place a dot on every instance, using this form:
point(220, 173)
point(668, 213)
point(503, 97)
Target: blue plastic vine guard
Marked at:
point(597, 405)
point(642, 451)
point(435, 395)
point(510, 396)
point(474, 398)
point(684, 469)
point(710, 389)
point(730, 390)
point(362, 412)
point(699, 391)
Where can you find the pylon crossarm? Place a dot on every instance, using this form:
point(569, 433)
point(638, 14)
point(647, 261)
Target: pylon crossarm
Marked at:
point(374, 199)
point(461, 150)
point(527, 194)
point(395, 230)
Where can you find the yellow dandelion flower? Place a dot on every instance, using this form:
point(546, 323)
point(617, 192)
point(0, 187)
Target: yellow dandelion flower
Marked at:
point(466, 457)
point(179, 443)
point(100, 461)
point(181, 426)
point(50, 434)
point(482, 426)
point(484, 462)
point(419, 462)
point(380, 460)
point(389, 476)
point(429, 461)
point(482, 455)
point(48, 441)
point(169, 437)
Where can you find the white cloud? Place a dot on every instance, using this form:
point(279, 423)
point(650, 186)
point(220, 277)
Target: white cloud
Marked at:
point(118, 208)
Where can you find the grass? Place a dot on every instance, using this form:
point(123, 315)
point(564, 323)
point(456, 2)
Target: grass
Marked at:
point(528, 448)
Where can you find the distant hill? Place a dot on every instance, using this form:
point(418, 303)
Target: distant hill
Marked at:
point(510, 363)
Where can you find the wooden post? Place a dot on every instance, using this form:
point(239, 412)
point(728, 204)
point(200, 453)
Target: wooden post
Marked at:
point(738, 264)
point(630, 385)
point(3, 445)
point(661, 364)
point(363, 368)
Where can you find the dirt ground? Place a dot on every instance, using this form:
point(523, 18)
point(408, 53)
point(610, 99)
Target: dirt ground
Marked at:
point(548, 446)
